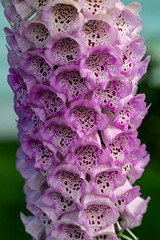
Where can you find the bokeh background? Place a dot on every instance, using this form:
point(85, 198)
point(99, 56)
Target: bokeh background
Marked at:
point(12, 199)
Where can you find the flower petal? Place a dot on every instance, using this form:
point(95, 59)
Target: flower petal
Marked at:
point(86, 118)
point(33, 226)
point(69, 182)
point(97, 214)
point(61, 135)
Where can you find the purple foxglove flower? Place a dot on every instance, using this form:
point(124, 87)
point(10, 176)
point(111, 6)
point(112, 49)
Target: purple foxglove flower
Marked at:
point(74, 69)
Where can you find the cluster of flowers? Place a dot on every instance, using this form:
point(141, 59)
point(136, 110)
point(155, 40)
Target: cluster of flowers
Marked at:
point(74, 69)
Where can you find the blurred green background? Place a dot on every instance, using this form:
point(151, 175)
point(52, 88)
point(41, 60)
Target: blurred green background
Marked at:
point(12, 199)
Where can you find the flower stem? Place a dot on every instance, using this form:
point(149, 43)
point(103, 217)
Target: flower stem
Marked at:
point(124, 236)
point(131, 233)
point(118, 227)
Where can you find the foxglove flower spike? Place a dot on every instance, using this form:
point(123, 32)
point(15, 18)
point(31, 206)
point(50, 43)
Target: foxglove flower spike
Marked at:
point(74, 70)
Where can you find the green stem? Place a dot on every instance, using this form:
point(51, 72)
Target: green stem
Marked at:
point(124, 236)
point(131, 233)
point(119, 228)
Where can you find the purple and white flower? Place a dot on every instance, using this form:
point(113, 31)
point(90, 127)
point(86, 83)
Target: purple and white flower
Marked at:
point(74, 69)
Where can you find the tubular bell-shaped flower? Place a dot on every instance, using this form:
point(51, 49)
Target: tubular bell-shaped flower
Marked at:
point(74, 69)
